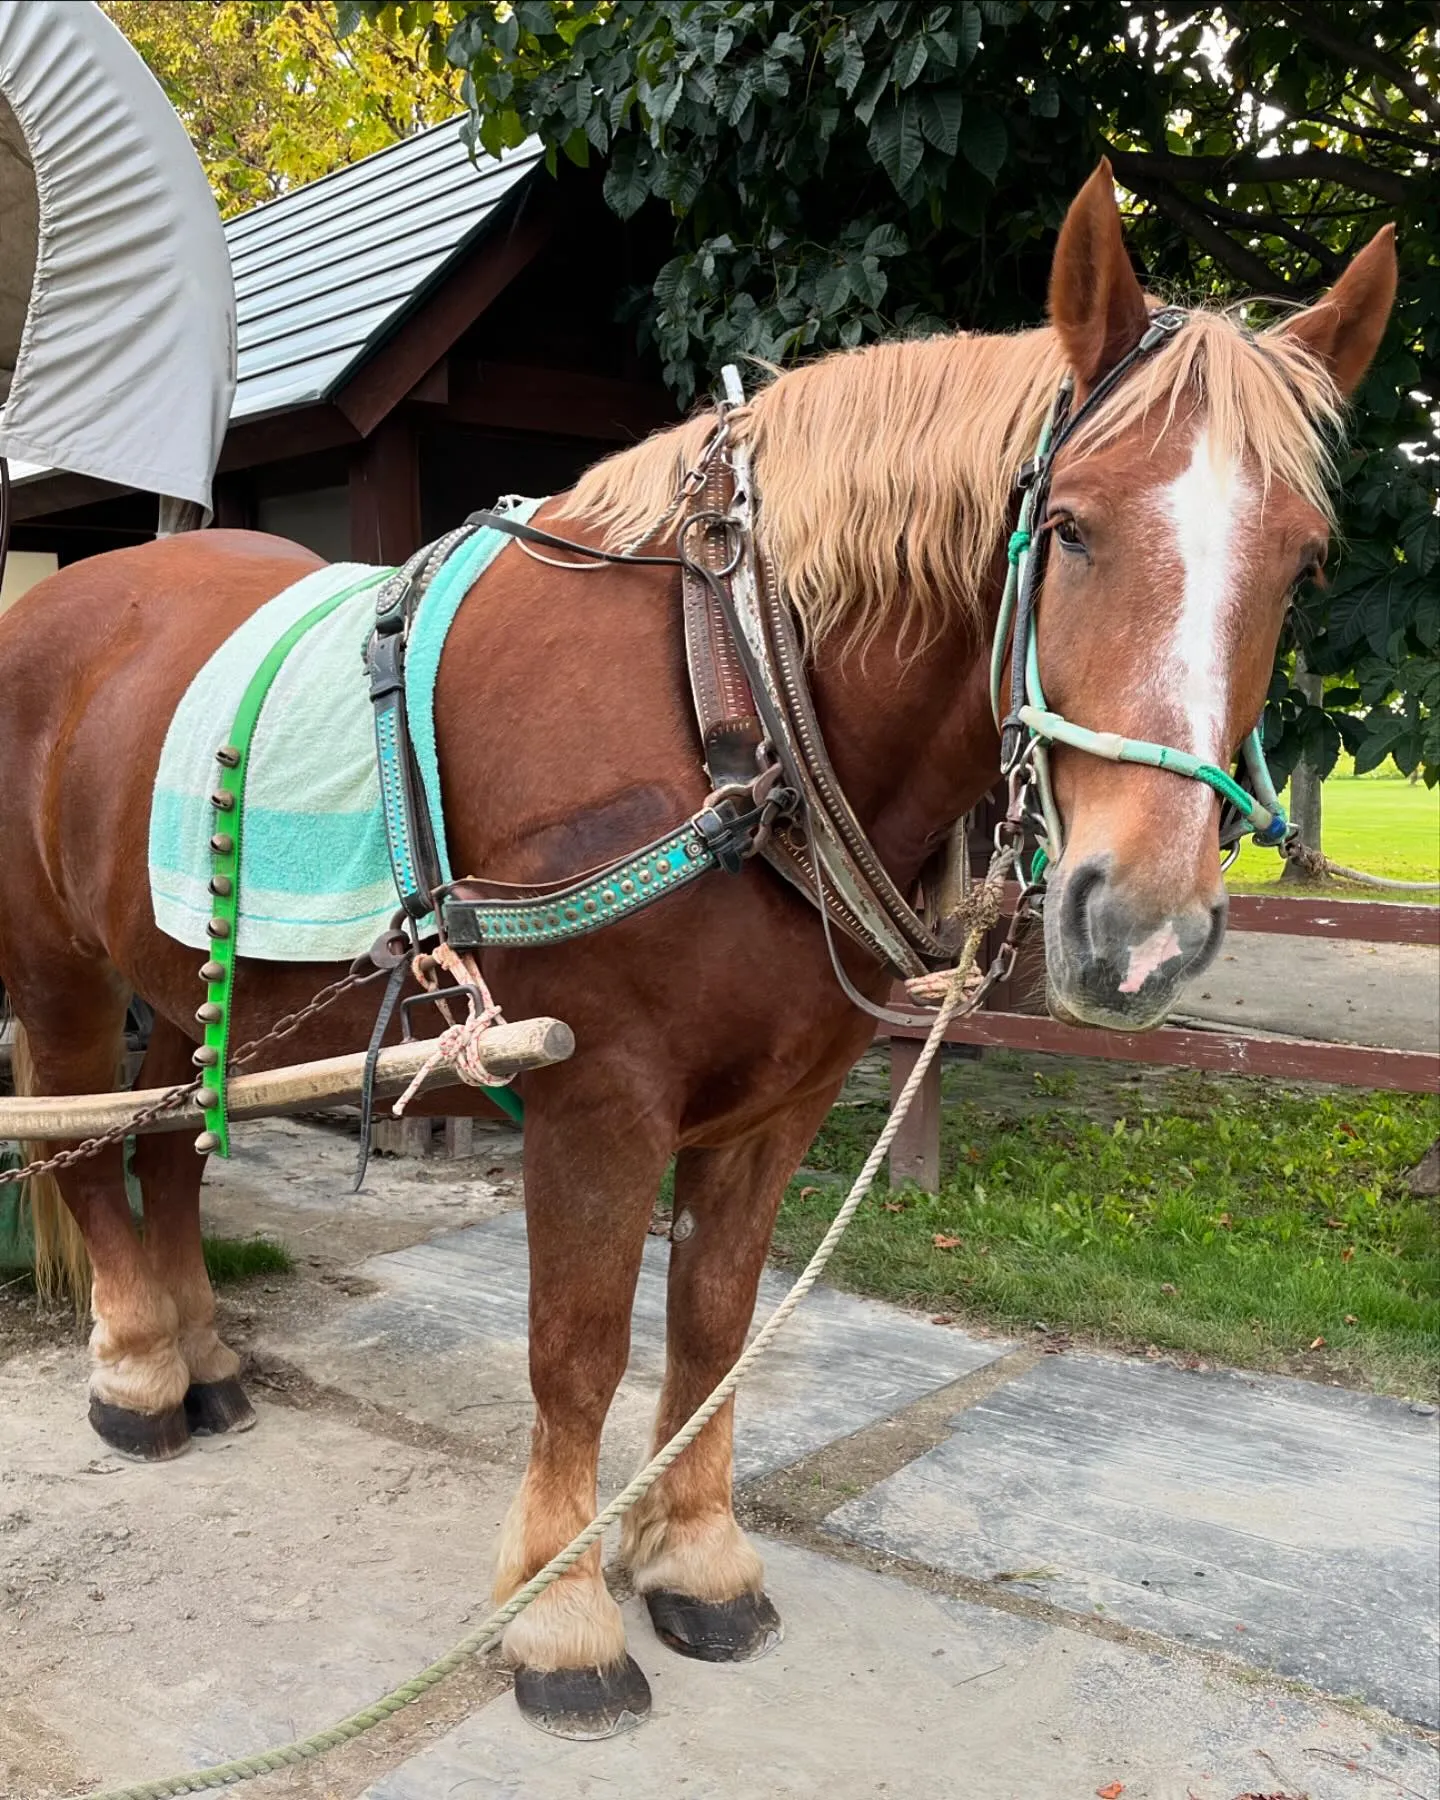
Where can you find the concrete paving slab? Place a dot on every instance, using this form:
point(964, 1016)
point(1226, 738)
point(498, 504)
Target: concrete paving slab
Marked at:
point(882, 1690)
point(1291, 1525)
point(1322, 988)
point(450, 1328)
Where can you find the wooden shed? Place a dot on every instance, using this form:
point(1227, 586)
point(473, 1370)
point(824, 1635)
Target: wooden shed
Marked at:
point(418, 334)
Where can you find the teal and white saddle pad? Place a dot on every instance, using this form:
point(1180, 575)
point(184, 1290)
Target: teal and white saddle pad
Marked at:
point(315, 882)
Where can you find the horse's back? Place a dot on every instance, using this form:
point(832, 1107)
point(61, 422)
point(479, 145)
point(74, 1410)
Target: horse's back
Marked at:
point(95, 659)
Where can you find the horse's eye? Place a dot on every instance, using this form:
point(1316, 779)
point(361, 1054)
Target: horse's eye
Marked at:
point(1068, 532)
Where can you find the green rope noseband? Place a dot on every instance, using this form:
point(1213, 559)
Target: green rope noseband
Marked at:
point(1261, 809)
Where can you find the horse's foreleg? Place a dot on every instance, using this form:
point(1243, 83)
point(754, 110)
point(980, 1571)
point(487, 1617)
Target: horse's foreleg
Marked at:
point(170, 1173)
point(702, 1579)
point(590, 1185)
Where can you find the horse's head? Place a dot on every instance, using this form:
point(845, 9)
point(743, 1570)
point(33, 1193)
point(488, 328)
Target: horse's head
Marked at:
point(1181, 516)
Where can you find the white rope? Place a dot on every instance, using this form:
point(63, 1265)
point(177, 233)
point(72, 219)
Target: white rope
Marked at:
point(484, 1636)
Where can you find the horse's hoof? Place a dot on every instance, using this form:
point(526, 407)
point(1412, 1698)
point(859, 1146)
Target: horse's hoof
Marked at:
point(584, 1703)
point(144, 1437)
point(715, 1630)
point(215, 1406)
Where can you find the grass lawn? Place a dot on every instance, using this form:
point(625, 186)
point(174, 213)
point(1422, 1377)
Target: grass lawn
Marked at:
point(1217, 1217)
point(1377, 823)
point(239, 1259)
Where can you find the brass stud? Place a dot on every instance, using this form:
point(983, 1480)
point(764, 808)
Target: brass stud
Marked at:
point(210, 1013)
point(218, 928)
point(212, 971)
point(221, 801)
point(207, 1141)
point(222, 844)
point(206, 1098)
point(644, 875)
point(222, 886)
point(205, 1057)
point(627, 887)
point(228, 756)
point(589, 906)
point(608, 896)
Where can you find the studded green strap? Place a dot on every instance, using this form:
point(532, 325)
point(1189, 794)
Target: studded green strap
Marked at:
point(228, 800)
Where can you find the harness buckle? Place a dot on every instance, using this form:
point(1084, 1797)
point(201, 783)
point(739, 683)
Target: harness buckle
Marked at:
point(735, 821)
point(1026, 473)
point(1163, 324)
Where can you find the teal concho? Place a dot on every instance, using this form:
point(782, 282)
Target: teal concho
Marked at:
point(623, 888)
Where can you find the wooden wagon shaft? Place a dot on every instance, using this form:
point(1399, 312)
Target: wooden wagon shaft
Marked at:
point(509, 1049)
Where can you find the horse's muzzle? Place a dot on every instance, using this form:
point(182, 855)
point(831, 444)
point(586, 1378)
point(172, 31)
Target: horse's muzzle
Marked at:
point(1116, 960)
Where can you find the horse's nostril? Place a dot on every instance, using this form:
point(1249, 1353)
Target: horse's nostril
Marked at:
point(1080, 889)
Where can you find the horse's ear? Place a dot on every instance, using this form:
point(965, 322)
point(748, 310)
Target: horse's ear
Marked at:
point(1096, 304)
point(1344, 327)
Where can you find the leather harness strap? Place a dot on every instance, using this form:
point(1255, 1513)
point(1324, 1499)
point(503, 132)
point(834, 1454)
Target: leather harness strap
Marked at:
point(773, 789)
point(730, 732)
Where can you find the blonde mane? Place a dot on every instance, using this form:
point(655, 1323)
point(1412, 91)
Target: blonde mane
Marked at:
point(886, 474)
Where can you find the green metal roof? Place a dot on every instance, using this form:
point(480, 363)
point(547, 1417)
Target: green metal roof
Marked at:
point(324, 275)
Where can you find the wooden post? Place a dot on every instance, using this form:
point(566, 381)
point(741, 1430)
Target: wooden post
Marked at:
point(385, 494)
point(459, 1138)
point(402, 1137)
point(915, 1153)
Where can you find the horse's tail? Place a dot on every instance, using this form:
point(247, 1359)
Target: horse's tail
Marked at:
point(62, 1264)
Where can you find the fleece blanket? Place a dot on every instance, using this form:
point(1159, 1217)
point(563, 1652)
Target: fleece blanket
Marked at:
point(315, 882)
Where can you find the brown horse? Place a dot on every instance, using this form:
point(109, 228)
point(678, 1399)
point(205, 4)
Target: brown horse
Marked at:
point(710, 1027)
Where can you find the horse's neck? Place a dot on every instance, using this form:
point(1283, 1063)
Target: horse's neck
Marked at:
point(911, 737)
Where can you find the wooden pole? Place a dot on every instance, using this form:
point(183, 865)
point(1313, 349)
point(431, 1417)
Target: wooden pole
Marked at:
point(509, 1050)
point(915, 1153)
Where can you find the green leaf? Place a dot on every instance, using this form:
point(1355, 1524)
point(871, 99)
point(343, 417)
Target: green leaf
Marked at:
point(1383, 732)
point(627, 183)
point(984, 141)
point(908, 62)
point(886, 240)
point(832, 289)
point(969, 29)
point(852, 67)
point(1422, 545)
point(869, 280)
point(667, 282)
point(897, 142)
point(941, 111)
point(870, 96)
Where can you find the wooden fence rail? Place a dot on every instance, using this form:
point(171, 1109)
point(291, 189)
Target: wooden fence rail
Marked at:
point(915, 1155)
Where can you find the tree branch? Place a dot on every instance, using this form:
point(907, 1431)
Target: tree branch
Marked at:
point(1311, 21)
point(1241, 262)
point(1301, 165)
point(1330, 263)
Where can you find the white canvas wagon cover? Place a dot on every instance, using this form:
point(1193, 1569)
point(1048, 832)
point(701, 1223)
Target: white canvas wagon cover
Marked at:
point(117, 305)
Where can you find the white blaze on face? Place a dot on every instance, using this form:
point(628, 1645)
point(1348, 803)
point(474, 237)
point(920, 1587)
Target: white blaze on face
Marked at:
point(1208, 507)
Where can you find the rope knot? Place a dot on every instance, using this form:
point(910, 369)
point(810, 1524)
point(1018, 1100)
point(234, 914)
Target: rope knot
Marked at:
point(1019, 544)
point(462, 1043)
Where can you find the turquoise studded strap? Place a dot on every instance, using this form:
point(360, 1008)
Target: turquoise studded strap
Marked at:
point(625, 887)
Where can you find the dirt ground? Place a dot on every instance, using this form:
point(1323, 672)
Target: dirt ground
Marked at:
point(263, 1549)
point(152, 1618)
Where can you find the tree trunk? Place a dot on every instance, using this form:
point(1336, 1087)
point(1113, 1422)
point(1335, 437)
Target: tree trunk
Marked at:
point(1305, 783)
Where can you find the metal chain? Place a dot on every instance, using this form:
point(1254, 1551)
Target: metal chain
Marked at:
point(93, 1146)
point(290, 1023)
point(177, 1096)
